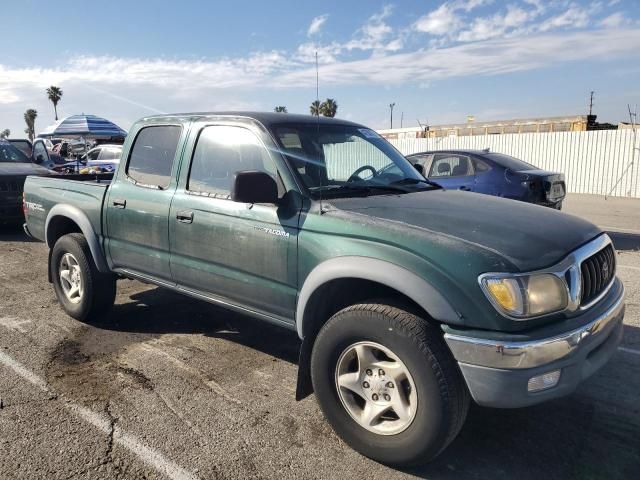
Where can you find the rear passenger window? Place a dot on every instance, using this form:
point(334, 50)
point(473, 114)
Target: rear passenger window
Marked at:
point(152, 155)
point(222, 151)
point(449, 165)
point(480, 166)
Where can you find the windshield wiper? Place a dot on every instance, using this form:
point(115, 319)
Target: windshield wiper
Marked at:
point(414, 181)
point(361, 188)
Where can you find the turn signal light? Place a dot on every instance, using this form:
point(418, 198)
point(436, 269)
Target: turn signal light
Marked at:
point(544, 381)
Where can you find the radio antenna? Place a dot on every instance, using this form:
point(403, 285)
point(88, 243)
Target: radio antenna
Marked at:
point(318, 126)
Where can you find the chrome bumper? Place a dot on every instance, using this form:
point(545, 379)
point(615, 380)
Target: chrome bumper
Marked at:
point(521, 355)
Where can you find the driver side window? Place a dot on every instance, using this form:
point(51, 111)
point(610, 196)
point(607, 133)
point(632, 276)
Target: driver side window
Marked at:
point(222, 151)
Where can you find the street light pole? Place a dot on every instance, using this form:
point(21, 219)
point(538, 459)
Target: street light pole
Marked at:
point(391, 105)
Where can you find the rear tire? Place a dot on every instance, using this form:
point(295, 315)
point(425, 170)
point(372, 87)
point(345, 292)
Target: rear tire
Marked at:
point(435, 396)
point(83, 291)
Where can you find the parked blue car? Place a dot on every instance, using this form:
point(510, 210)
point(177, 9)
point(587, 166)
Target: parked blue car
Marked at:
point(491, 173)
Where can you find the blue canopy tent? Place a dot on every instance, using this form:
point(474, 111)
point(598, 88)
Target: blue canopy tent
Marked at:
point(86, 126)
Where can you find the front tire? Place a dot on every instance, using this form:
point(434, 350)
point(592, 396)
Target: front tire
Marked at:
point(387, 384)
point(81, 289)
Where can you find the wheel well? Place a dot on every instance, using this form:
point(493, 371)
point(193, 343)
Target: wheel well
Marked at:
point(335, 295)
point(58, 227)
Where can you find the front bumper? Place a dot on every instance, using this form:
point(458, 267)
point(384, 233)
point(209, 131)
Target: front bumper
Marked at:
point(497, 372)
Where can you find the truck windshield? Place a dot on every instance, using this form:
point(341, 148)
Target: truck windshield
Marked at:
point(9, 153)
point(342, 159)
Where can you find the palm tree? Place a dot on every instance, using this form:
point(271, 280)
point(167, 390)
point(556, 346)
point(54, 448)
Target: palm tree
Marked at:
point(315, 108)
point(329, 107)
point(280, 109)
point(30, 119)
point(5, 133)
point(55, 95)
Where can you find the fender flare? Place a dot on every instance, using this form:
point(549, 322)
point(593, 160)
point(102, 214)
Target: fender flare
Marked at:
point(380, 271)
point(81, 219)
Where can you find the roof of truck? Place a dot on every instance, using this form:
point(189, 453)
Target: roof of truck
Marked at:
point(265, 118)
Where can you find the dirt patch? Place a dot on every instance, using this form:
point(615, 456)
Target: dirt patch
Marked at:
point(86, 368)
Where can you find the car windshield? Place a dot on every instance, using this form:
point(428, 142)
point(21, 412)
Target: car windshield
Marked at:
point(9, 153)
point(510, 162)
point(342, 160)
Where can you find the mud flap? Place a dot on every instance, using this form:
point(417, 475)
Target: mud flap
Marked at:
point(304, 387)
point(49, 277)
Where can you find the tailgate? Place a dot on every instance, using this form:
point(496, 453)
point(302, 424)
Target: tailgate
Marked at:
point(11, 197)
point(83, 195)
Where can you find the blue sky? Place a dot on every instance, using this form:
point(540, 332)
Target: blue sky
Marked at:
point(439, 61)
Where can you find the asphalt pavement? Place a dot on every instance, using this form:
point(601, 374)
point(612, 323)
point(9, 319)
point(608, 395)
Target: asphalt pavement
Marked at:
point(170, 387)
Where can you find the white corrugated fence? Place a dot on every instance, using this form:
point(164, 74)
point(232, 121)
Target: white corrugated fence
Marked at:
point(596, 162)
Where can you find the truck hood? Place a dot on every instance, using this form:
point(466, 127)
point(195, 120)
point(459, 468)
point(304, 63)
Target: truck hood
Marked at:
point(529, 236)
point(22, 168)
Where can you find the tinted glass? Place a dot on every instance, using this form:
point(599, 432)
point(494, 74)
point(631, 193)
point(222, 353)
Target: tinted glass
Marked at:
point(222, 151)
point(480, 166)
point(109, 154)
point(447, 165)
point(510, 162)
point(9, 153)
point(152, 155)
point(93, 154)
point(421, 159)
point(23, 146)
point(40, 152)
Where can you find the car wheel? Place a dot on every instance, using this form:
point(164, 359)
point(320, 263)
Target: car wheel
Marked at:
point(387, 384)
point(81, 289)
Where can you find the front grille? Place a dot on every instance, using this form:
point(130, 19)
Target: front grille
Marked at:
point(597, 272)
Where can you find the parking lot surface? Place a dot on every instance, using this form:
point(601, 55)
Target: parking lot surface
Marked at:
point(170, 387)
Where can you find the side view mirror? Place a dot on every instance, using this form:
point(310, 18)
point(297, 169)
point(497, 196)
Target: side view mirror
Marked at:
point(253, 186)
point(419, 168)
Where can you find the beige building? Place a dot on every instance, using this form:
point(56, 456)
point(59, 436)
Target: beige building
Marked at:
point(575, 123)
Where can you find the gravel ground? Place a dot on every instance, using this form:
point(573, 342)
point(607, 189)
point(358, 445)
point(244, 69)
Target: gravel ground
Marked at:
point(170, 387)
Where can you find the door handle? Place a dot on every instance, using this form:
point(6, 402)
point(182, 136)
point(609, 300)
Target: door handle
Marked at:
point(466, 189)
point(119, 203)
point(185, 216)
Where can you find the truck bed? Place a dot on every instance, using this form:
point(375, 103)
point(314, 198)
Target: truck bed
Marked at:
point(76, 191)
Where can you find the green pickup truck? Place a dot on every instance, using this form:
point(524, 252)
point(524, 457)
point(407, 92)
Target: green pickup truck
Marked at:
point(410, 300)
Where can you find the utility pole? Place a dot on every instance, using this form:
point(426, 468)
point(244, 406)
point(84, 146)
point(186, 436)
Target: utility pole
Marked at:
point(591, 103)
point(391, 105)
point(401, 119)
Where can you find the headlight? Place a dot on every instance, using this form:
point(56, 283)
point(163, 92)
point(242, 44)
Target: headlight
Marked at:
point(525, 296)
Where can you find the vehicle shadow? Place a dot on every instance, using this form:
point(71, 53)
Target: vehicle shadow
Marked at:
point(625, 241)
point(590, 434)
point(158, 311)
point(13, 233)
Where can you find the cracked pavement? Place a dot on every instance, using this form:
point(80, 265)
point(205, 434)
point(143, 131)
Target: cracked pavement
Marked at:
point(170, 387)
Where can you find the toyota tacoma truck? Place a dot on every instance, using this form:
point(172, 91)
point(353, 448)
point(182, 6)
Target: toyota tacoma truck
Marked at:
point(410, 300)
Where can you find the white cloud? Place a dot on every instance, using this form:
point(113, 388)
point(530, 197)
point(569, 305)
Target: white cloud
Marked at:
point(376, 36)
point(490, 57)
point(316, 24)
point(445, 20)
point(574, 17)
point(496, 25)
point(440, 21)
point(612, 21)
